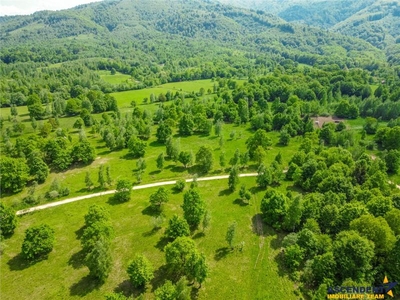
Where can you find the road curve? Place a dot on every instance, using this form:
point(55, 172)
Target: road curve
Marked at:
point(137, 187)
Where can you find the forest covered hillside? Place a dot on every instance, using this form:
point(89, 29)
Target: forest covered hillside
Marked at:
point(377, 22)
point(161, 30)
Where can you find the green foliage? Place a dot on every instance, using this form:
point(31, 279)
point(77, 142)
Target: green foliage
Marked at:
point(180, 185)
point(14, 174)
point(38, 242)
point(8, 221)
point(160, 161)
point(136, 146)
point(193, 207)
point(95, 214)
point(177, 254)
point(177, 227)
point(115, 296)
point(140, 271)
point(376, 230)
point(204, 159)
point(353, 255)
point(186, 158)
point(158, 198)
point(293, 257)
point(274, 208)
point(233, 179)
point(166, 292)
point(98, 231)
point(393, 219)
point(123, 191)
point(231, 234)
point(84, 152)
point(99, 260)
point(260, 138)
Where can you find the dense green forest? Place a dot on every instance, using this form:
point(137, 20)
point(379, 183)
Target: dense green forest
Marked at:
point(132, 92)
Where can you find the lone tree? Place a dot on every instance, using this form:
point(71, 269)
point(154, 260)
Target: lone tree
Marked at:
point(158, 198)
point(193, 207)
point(140, 271)
point(204, 159)
point(95, 214)
point(177, 227)
point(231, 234)
point(244, 194)
point(186, 158)
point(233, 179)
point(38, 242)
point(184, 259)
point(99, 260)
point(123, 191)
point(160, 161)
point(88, 181)
point(8, 220)
point(101, 180)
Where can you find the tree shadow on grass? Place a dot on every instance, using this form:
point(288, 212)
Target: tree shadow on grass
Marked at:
point(225, 192)
point(128, 290)
point(162, 242)
point(221, 253)
point(19, 263)
point(240, 202)
point(77, 260)
point(199, 235)
point(151, 232)
point(194, 294)
point(79, 232)
point(280, 261)
point(256, 189)
point(258, 225)
point(150, 211)
point(159, 277)
point(155, 172)
point(84, 286)
point(114, 201)
point(276, 242)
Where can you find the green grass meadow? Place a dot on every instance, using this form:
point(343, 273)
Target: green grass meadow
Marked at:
point(256, 273)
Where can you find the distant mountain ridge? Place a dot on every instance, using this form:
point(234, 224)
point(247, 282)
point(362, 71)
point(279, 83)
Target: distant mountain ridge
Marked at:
point(376, 21)
point(158, 31)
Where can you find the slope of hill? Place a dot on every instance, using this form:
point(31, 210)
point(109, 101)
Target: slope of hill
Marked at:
point(158, 31)
point(379, 24)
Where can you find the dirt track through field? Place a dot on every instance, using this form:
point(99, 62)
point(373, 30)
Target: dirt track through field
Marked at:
point(138, 187)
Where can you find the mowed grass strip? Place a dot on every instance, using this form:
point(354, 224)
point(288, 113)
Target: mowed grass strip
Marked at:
point(256, 273)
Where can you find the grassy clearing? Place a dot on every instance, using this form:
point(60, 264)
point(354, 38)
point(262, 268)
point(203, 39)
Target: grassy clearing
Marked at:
point(254, 274)
point(114, 79)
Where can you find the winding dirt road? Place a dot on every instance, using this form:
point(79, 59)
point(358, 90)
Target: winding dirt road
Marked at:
point(137, 187)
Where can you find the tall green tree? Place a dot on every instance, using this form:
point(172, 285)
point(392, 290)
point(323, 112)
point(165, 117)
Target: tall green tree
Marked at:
point(193, 207)
point(140, 271)
point(14, 174)
point(353, 255)
point(177, 227)
point(204, 159)
point(231, 234)
point(274, 208)
point(8, 220)
point(99, 260)
point(123, 191)
point(38, 242)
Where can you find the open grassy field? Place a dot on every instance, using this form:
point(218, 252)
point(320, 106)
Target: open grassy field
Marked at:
point(114, 79)
point(257, 273)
